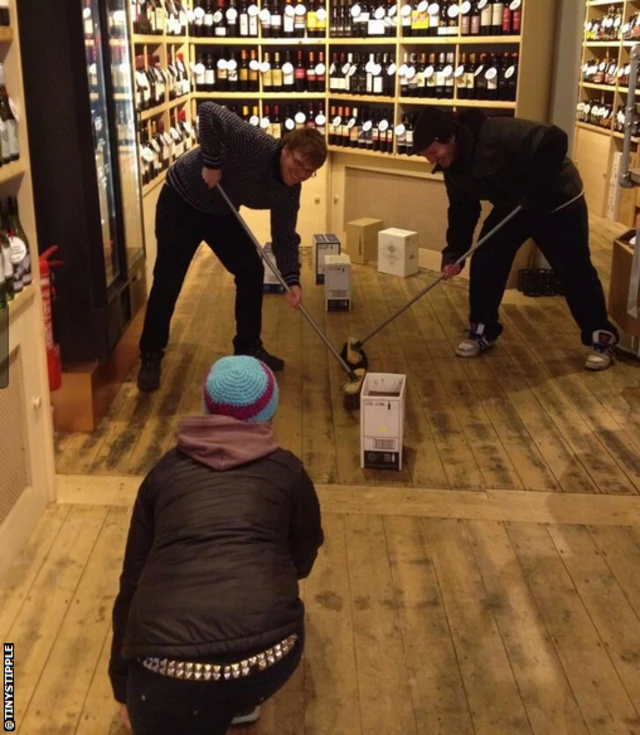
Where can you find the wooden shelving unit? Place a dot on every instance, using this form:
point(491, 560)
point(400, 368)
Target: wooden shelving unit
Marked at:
point(27, 468)
point(597, 148)
point(534, 47)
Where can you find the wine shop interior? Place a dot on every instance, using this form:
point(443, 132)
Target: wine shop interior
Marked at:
point(475, 487)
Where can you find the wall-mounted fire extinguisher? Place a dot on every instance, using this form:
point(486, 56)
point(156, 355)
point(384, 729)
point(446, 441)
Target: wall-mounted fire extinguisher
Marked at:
point(54, 365)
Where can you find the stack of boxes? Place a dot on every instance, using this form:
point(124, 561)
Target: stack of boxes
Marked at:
point(323, 245)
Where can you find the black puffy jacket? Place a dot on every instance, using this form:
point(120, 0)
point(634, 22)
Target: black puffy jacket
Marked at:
point(508, 162)
point(213, 556)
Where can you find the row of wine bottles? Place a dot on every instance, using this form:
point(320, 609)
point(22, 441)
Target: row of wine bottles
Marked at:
point(15, 255)
point(286, 71)
point(159, 148)
point(606, 71)
point(605, 115)
point(483, 76)
point(153, 82)
point(310, 19)
point(160, 17)
point(480, 18)
point(9, 139)
point(489, 77)
point(605, 28)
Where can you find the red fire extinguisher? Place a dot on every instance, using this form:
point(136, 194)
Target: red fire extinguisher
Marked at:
point(54, 365)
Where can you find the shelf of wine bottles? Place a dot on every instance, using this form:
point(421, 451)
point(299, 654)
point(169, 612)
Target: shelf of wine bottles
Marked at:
point(156, 84)
point(279, 62)
point(15, 260)
point(274, 71)
point(159, 147)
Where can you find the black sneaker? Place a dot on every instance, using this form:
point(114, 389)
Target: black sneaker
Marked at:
point(149, 375)
point(259, 352)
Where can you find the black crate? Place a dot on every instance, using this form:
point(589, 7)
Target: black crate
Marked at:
point(539, 282)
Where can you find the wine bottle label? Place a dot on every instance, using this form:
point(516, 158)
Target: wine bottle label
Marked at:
point(18, 249)
point(289, 124)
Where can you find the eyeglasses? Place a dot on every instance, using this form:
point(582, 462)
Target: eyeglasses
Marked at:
point(308, 172)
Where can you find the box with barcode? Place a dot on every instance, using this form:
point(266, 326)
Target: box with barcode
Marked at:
point(323, 245)
point(398, 252)
point(337, 282)
point(382, 409)
point(270, 284)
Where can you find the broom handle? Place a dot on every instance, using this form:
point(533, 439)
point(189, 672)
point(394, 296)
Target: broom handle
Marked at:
point(285, 285)
point(428, 288)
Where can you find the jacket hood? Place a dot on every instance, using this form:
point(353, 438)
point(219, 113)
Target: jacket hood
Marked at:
point(222, 442)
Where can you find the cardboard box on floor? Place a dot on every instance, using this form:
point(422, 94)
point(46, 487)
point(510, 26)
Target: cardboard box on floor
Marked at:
point(362, 239)
point(398, 252)
point(323, 244)
point(337, 282)
point(619, 303)
point(382, 410)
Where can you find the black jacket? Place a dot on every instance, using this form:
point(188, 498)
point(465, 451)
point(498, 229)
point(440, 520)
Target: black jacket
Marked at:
point(506, 161)
point(213, 559)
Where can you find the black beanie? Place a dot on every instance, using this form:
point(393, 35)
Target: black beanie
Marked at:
point(434, 124)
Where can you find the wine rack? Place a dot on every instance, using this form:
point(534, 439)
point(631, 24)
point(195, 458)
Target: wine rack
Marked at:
point(273, 53)
point(610, 30)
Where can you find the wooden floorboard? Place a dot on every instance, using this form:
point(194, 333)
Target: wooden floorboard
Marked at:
point(525, 416)
point(433, 612)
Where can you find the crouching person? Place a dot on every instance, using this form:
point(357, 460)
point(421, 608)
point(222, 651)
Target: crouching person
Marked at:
point(208, 623)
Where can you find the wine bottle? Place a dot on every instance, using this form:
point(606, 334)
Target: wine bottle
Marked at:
point(10, 142)
point(19, 243)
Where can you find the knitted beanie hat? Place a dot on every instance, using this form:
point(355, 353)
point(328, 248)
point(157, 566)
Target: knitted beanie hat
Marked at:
point(241, 387)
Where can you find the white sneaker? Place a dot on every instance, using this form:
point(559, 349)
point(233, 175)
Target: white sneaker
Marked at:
point(475, 343)
point(601, 356)
point(247, 718)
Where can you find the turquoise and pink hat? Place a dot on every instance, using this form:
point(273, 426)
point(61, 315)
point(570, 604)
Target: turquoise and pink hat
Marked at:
point(241, 387)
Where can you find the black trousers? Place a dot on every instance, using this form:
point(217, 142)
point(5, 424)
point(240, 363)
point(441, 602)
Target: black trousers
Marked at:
point(160, 705)
point(563, 238)
point(179, 231)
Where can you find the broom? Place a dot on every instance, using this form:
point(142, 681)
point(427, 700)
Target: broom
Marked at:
point(352, 352)
point(355, 376)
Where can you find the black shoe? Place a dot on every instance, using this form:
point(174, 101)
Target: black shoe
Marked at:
point(259, 352)
point(149, 375)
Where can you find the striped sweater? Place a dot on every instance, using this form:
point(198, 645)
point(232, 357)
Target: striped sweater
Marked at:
point(249, 161)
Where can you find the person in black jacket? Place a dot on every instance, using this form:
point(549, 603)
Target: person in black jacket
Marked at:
point(510, 162)
point(208, 622)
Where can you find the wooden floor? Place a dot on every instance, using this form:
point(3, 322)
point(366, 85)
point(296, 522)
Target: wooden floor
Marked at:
point(524, 416)
point(428, 613)
point(490, 588)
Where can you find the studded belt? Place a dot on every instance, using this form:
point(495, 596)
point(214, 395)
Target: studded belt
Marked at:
point(214, 672)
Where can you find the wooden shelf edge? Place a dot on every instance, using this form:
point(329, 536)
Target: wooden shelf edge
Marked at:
point(153, 112)
point(6, 34)
point(21, 302)
point(11, 171)
point(148, 188)
point(373, 98)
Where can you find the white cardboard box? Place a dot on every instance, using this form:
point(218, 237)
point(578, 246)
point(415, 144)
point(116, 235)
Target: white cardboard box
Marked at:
point(323, 245)
point(270, 283)
point(337, 282)
point(382, 409)
point(398, 252)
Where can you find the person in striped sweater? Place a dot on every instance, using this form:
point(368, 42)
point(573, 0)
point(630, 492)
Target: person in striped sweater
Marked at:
point(257, 171)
